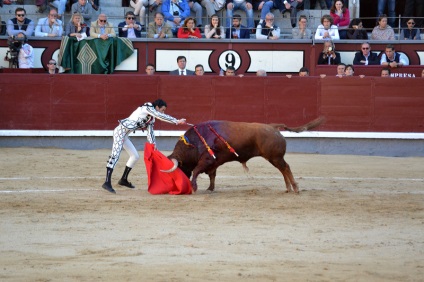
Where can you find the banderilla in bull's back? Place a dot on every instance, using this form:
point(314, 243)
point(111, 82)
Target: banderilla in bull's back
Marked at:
point(207, 145)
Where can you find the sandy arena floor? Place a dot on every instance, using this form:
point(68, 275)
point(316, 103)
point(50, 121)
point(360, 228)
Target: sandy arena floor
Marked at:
point(356, 219)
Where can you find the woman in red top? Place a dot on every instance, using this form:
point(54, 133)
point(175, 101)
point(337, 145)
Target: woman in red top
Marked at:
point(189, 29)
point(341, 17)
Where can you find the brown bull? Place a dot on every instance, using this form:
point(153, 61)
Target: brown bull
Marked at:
point(248, 140)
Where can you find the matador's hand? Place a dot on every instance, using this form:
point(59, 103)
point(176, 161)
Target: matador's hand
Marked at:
point(181, 121)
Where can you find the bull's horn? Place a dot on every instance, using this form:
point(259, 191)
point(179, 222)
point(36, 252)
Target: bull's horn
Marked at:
point(173, 168)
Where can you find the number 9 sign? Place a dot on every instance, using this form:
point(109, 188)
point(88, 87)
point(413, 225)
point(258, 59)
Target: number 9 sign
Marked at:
point(229, 58)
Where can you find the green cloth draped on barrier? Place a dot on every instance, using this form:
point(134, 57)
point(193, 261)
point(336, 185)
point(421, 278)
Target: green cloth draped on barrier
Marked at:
point(93, 56)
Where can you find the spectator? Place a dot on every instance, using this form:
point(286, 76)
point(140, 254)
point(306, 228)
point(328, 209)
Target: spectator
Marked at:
point(101, 28)
point(211, 6)
point(366, 57)
point(260, 72)
point(199, 70)
point(267, 29)
point(214, 30)
point(311, 4)
point(341, 17)
point(159, 28)
point(244, 5)
point(93, 3)
point(415, 8)
point(150, 69)
point(393, 59)
point(290, 6)
point(383, 31)
point(410, 33)
point(76, 27)
point(304, 72)
point(385, 72)
point(175, 12)
point(341, 70)
point(189, 29)
point(140, 9)
point(356, 30)
point(328, 4)
point(217, 4)
point(155, 5)
point(60, 5)
point(197, 10)
point(301, 31)
point(354, 7)
point(181, 61)
point(326, 30)
point(50, 26)
point(51, 67)
point(349, 70)
point(26, 53)
point(41, 6)
point(83, 8)
point(2, 27)
point(391, 6)
point(20, 24)
point(265, 7)
point(329, 56)
point(237, 30)
point(130, 28)
point(230, 71)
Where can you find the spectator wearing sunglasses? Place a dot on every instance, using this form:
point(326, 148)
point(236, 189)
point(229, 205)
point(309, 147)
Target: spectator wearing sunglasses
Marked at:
point(50, 26)
point(366, 57)
point(410, 33)
point(101, 28)
point(130, 28)
point(20, 24)
point(51, 67)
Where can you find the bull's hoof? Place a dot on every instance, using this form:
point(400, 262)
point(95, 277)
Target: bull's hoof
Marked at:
point(124, 182)
point(107, 186)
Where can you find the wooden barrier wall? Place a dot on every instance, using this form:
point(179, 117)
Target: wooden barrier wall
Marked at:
point(277, 57)
point(96, 102)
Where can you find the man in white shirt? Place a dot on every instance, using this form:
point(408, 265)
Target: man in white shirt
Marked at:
point(26, 53)
point(267, 29)
point(50, 26)
point(130, 28)
point(181, 61)
point(393, 59)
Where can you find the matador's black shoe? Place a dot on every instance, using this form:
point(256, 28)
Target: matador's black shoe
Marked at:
point(124, 182)
point(107, 186)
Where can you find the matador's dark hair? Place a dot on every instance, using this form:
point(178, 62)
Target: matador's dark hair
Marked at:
point(160, 103)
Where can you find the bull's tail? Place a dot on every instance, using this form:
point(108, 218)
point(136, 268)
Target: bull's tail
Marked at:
point(310, 125)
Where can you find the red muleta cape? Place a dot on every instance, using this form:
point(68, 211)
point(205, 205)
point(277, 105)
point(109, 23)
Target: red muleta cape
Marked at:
point(159, 182)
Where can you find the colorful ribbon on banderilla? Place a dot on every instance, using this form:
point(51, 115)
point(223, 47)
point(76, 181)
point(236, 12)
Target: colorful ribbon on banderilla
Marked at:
point(210, 151)
point(223, 140)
